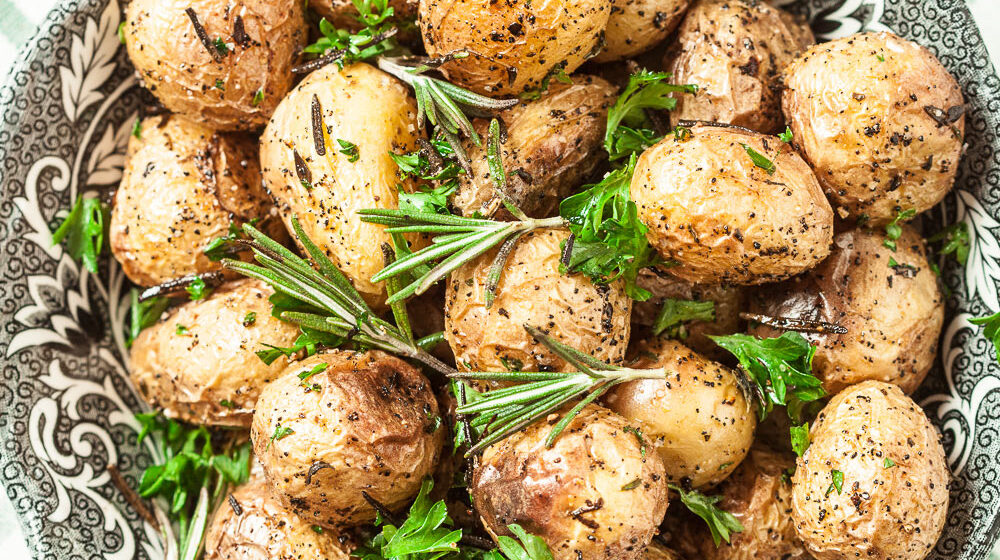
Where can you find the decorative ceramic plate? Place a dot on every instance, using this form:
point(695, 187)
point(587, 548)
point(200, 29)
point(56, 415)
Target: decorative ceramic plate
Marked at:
point(66, 405)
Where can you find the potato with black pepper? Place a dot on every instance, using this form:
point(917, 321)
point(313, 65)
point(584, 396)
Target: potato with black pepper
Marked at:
point(700, 419)
point(552, 145)
point(183, 186)
point(593, 318)
point(224, 63)
point(635, 26)
point(730, 205)
point(880, 120)
point(889, 302)
point(873, 482)
point(593, 495)
point(341, 423)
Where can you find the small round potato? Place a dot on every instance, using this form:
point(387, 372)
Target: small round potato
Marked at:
point(230, 69)
point(593, 496)
point(512, 45)
point(183, 186)
point(874, 482)
point(311, 179)
point(364, 421)
point(552, 144)
point(592, 318)
point(198, 364)
point(893, 315)
point(700, 418)
point(880, 120)
point(725, 219)
point(635, 26)
point(735, 51)
point(253, 525)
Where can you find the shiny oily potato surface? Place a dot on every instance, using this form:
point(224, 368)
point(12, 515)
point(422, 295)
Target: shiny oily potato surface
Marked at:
point(893, 315)
point(513, 45)
point(364, 422)
point(699, 419)
point(870, 113)
point(183, 185)
point(198, 363)
point(636, 26)
point(590, 317)
point(237, 81)
point(592, 496)
point(723, 218)
point(886, 510)
point(321, 186)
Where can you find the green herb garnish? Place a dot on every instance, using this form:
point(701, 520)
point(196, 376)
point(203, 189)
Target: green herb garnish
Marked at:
point(838, 482)
point(760, 160)
point(675, 312)
point(258, 97)
point(991, 330)
point(721, 523)
point(279, 432)
point(181, 330)
point(786, 136)
point(84, 230)
point(888, 463)
point(956, 241)
point(800, 438)
point(143, 314)
point(349, 149)
point(220, 47)
point(250, 318)
point(893, 230)
point(198, 289)
point(630, 129)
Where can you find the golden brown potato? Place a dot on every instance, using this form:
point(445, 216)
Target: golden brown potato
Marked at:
point(592, 496)
point(513, 45)
point(319, 185)
point(253, 525)
point(365, 421)
point(636, 26)
point(198, 363)
point(552, 144)
point(880, 120)
point(893, 500)
point(725, 219)
point(700, 419)
point(183, 186)
point(592, 318)
point(233, 72)
point(893, 315)
point(657, 551)
point(735, 51)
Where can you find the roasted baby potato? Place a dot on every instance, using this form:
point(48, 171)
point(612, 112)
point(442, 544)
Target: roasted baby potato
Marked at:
point(700, 419)
point(224, 63)
point(552, 144)
point(313, 180)
point(513, 46)
point(874, 482)
point(636, 26)
point(735, 51)
point(183, 186)
point(339, 423)
point(893, 314)
point(198, 363)
point(594, 495)
point(880, 120)
point(569, 307)
point(726, 219)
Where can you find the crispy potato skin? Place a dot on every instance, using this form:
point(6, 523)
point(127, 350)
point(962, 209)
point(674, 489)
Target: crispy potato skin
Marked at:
point(636, 26)
point(266, 531)
point(883, 513)
point(699, 418)
point(893, 320)
point(360, 104)
point(520, 481)
point(216, 89)
point(863, 124)
point(371, 420)
point(735, 51)
point(724, 219)
point(513, 45)
point(183, 185)
point(189, 375)
point(552, 145)
point(592, 318)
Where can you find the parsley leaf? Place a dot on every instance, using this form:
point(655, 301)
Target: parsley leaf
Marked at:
point(84, 230)
point(220, 46)
point(258, 97)
point(137, 128)
point(838, 482)
point(888, 463)
point(675, 312)
point(426, 532)
point(956, 238)
point(143, 314)
point(558, 72)
point(306, 374)
point(991, 330)
point(222, 247)
point(530, 547)
point(250, 318)
point(760, 160)
point(197, 289)
point(893, 230)
point(800, 438)
point(629, 127)
point(279, 433)
point(181, 330)
point(720, 522)
point(349, 149)
point(309, 340)
point(786, 136)
point(374, 15)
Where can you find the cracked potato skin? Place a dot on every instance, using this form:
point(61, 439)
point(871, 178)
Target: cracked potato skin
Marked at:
point(723, 218)
point(369, 416)
point(883, 513)
point(636, 26)
point(863, 123)
point(189, 376)
point(513, 45)
point(217, 89)
point(569, 307)
point(520, 481)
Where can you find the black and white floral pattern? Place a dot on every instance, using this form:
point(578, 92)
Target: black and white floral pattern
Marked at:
point(66, 403)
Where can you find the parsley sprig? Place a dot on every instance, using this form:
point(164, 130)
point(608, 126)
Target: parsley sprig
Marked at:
point(341, 47)
point(674, 313)
point(954, 241)
point(84, 230)
point(720, 522)
point(630, 128)
point(991, 330)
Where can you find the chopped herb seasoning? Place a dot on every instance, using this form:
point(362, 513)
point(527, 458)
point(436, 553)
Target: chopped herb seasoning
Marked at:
point(258, 97)
point(121, 32)
point(837, 484)
point(786, 136)
point(893, 230)
point(220, 46)
point(250, 318)
point(888, 463)
point(197, 289)
point(800, 438)
point(638, 435)
point(760, 160)
point(227, 403)
point(632, 485)
point(137, 128)
point(181, 330)
point(349, 149)
point(219, 85)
